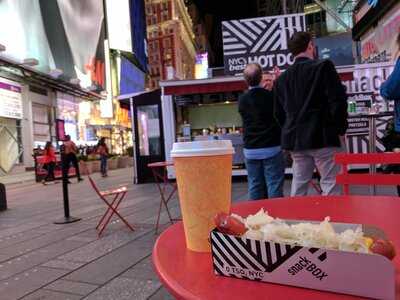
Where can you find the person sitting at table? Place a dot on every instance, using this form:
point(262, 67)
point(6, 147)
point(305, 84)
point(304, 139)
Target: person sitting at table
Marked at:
point(261, 135)
point(311, 107)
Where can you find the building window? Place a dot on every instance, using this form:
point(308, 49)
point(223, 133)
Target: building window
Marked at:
point(154, 19)
point(165, 6)
point(167, 43)
point(156, 45)
point(164, 16)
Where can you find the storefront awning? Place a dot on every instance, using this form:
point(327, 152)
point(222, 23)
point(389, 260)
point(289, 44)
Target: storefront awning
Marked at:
point(221, 84)
point(203, 86)
point(124, 100)
point(16, 71)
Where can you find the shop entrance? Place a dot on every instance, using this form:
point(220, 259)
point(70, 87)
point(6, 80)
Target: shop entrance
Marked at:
point(11, 149)
point(149, 134)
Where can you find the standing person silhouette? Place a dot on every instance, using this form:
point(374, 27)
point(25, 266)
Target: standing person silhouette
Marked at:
point(69, 156)
point(311, 107)
point(102, 150)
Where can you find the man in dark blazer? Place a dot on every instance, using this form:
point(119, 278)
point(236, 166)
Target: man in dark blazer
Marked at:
point(261, 134)
point(311, 107)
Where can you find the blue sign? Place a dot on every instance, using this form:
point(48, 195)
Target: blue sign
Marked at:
point(337, 48)
point(138, 31)
point(373, 3)
point(132, 78)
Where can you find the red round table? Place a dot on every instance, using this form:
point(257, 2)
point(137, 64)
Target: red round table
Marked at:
point(189, 275)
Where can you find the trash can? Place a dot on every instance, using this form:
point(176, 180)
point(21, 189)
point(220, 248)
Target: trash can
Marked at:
point(3, 198)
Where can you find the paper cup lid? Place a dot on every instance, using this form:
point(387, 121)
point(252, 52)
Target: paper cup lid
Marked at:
point(202, 148)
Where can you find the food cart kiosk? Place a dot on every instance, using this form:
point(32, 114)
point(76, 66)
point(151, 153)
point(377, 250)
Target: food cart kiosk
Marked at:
point(207, 109)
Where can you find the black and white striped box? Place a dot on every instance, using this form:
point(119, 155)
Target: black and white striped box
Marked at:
point(367, 275)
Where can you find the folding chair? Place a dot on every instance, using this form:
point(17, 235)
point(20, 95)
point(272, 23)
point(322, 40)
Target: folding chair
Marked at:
point(372, 179)
point(315, 185)
point(159, 170)
point(117, 195)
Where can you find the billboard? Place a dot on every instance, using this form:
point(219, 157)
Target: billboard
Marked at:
point(118, 25)
point(363, 89)
point(379, 43)
point(131, 79)
point(338, 48)
point(66, 35)
point(139, 33)
point(201, 66)
point(10, 99)
point(259, 40)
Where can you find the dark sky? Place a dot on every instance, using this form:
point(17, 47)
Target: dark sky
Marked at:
point(216, 11)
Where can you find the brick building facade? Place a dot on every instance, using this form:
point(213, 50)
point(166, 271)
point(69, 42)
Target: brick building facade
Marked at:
point(171, 48)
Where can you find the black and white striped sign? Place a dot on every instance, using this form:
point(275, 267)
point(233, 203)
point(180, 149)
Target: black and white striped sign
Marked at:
point(231, 253)
point(261, 40)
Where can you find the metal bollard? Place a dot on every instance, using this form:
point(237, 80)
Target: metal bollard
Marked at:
point(3, 197)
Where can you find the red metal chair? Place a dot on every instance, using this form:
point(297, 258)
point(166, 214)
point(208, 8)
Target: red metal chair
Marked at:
point(315, 184)
point(159, 170)
point(116, 196)
point(345, 178)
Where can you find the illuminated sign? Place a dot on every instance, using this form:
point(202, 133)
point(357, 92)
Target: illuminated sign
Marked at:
point(379, 44)
point(106, 105)
point(259, 40)
point(201, 66)
point(10, 100)
point(119, 25)
point(373, 3)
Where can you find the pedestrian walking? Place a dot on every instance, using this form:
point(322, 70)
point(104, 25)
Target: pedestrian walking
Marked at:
point(49, 160)
point(311, 107)
point(69, 157)
point(102, 150)
point(261, 134)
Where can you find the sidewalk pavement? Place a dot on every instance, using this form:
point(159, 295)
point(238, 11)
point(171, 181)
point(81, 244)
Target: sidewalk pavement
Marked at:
point(25, 177)
point(42, 260)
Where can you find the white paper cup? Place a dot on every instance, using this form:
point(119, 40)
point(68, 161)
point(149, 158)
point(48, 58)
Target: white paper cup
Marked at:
point(204, 177)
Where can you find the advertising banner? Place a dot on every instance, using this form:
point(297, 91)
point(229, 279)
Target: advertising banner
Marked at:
point(363, 89)
point(379, 44)
point(65, 35)
point(119, 25)
point(139, 32)
point(10, 100)
point(259, 40)
point(337, 48)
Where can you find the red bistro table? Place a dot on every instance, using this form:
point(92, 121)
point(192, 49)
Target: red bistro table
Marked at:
point(159, 170)
point(189, 275)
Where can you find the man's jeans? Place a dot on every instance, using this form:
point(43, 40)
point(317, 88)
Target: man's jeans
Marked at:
point(103, 164)
point(265, 177)
point(304, 163)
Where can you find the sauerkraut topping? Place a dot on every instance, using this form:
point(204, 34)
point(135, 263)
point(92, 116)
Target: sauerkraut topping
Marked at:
point(262, 226)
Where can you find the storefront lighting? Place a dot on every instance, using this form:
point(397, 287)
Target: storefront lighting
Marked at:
point(55, 73)
point(75, 81)
point(31, 62)
point(311, 8)
point(2, 48)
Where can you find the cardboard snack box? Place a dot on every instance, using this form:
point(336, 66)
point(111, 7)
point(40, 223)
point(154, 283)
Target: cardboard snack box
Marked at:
point(368, 275)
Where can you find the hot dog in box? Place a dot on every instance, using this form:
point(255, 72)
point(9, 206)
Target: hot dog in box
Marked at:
point(338, 257)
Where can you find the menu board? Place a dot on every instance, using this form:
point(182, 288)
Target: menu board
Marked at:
point(10, 99)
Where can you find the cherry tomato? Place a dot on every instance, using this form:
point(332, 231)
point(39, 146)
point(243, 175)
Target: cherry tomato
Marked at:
point(383, 247)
